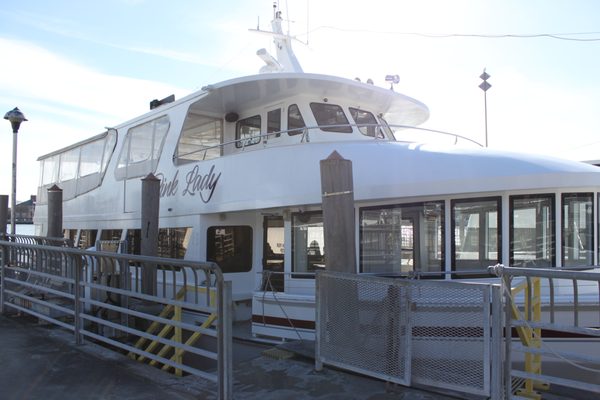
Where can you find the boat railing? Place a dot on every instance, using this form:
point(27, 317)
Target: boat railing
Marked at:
point(102, 296)
point(386, 132)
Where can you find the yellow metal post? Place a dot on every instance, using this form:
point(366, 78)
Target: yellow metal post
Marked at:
point(531, 337)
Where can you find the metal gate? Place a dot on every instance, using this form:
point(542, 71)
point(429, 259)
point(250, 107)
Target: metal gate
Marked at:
point(363, 325)
point(442, 334)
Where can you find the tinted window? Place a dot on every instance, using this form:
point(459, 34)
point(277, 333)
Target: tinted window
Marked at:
point(402, 238)
point(296, 123)
point(366, 123)
point(247, 131)
point(230, 247)
point(330, 117)
point(308, 242)
point(532, 231)
point(475, 234)
point(142, 148)
point(274, 122)
point(577, 229)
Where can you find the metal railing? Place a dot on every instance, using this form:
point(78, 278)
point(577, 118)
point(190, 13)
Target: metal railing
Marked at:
point(42, 240)
point(542, 304)
point(401, 133)
point(97, 295)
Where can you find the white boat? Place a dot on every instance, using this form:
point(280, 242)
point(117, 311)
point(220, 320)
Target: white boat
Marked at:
point(240, 185)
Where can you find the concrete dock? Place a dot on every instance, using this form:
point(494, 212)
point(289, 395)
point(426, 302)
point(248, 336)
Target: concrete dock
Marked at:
point(43, 362)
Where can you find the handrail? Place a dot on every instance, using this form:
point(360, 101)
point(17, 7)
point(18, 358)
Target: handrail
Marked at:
point(305, 136)
point(32, 239)
point(534, 311)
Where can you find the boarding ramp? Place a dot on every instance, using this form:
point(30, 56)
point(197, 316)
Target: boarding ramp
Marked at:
point(556, 314)
point(442, 334)
point(185, 326)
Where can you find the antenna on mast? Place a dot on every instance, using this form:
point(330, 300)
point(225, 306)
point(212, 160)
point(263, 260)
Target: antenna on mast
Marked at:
point(285, 60)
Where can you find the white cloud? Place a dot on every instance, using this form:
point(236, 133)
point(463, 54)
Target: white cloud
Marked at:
point(65, 102)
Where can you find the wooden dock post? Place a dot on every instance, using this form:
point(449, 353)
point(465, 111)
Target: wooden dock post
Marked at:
point(338, 213)
point(3, 213)
point(55, 212)
point(149, 240)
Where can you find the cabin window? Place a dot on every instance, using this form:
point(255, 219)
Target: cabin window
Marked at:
point(274, 122)
point(142, 148)
point(110, 240)
point(230, 247)
point(49, 173)
point(475, 234)
point(389, 133)
point(200, 139)
point(308, 243)
point(87, 238)
point(366, 122)
point(134, 241)
point(577, 229)
point(330, 117)
point(403, 238)
point(532, 231)
point(91, 158)
point(247, 131)
point(296, 123)
point(273, 253)
point(69, 162)
point(77, 169)
point(173, 242)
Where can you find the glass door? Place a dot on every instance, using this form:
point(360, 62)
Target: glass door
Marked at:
point(273, 252)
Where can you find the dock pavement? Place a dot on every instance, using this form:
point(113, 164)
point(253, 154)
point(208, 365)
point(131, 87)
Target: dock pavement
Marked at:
point(43, 362)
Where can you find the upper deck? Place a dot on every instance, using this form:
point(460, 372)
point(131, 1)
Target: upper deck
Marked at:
point(239, 115)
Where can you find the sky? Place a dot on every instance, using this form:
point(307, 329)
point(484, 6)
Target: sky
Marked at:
point(76, 67)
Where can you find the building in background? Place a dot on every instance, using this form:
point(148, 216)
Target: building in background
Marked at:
point(24, 211)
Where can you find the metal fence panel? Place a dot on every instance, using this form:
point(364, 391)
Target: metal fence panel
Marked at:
point(364, 326)
point(435, 333)
point(451, 335)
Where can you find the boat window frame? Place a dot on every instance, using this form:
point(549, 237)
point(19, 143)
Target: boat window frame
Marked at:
point(299, 274)
point(274, 124)
point(296, 129)
point(208, 152)
point(76, 183)
point(590, 227)
point(482, 261)
point(511, 231)
point(322, 113)
point(125, 169)
point(365, 127)
point(243, 140)
point(243, 250)
point(419, 246)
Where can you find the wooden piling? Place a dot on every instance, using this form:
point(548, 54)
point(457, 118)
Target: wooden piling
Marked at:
point(338, 213)
point(149, 240)
point(55, 212)
point(3, 213)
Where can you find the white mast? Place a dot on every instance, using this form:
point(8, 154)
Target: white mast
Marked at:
point(286, 60)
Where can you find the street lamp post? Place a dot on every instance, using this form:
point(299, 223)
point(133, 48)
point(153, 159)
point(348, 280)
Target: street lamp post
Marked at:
point(485, 86)
point(15, 117)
